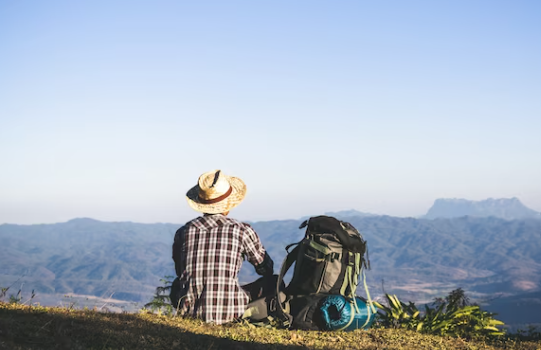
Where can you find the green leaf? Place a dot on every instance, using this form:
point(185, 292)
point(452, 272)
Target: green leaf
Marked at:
point(394, 301)
point(497, 333)
point(495, 322)
point(379, 306)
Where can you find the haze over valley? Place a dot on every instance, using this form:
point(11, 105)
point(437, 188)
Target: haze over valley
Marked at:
point(416, 258)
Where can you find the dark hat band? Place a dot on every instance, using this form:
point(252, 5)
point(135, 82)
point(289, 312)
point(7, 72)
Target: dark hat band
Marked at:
point(217, 199)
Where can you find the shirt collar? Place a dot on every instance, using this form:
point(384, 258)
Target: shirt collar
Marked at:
point(209, 221)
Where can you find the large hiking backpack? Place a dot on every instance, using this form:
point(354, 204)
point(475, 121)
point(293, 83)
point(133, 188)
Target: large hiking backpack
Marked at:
point(329, 262)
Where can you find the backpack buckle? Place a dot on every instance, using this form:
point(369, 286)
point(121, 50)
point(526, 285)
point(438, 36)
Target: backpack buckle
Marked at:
point(333, 256)
point(350, 259)
point(272, 305)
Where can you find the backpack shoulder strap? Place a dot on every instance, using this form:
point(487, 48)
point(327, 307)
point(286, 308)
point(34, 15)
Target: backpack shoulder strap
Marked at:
point(287, 319)
point(286, 264)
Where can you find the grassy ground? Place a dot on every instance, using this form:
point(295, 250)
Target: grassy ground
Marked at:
point(25, 327)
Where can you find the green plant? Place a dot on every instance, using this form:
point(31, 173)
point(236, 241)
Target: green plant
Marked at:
point(451, 316)
point(457, 297)
point(161, 303)
point(3, 292)
point(465, 322)
point(397, 314)
point(16, 299)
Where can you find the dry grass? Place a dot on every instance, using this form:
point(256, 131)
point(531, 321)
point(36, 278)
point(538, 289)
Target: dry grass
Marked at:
point(25, 327)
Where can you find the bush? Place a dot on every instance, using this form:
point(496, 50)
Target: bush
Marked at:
point(161, 303)
point(452, 316)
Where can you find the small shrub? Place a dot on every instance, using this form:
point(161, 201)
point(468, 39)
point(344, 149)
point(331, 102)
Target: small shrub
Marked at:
point(161, 303)
point(452, 316)
point(15, 299)
point(3, 292)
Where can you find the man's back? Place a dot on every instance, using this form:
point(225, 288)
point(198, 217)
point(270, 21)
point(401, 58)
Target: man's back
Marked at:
point(208, 253)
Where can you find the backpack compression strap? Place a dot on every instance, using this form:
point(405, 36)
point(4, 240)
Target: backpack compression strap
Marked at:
point(369, 299)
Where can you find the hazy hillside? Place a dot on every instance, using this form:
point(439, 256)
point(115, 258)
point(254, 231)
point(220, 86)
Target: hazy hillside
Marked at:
point(416, 259)
point(505, 208)
point(88, 257)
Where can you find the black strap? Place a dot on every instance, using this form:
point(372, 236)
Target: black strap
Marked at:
point(290, 245)
point(288, 261)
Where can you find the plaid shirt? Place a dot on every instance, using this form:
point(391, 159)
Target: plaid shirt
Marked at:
point(208, 253)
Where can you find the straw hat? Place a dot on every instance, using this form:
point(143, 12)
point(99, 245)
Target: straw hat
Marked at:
point(216, 193)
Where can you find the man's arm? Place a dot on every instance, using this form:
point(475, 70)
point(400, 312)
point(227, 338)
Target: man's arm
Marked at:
point(266, 268)
point(178, 256)
point(255, 252)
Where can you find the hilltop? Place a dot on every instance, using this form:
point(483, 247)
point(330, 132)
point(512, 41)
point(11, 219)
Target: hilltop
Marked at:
point(32, 328)
point(504, 208)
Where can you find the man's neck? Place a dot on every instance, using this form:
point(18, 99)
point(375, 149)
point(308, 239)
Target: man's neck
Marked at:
point(224, 214)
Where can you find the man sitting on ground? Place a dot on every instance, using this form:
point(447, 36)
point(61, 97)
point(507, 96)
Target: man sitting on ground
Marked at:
point(208, 252)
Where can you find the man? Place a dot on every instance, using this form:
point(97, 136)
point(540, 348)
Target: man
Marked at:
point(208, 252)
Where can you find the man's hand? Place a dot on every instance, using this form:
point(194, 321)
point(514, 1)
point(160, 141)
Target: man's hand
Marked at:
point(266, 268)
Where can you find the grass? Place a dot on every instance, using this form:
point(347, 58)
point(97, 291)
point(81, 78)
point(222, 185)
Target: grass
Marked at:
point(36, 327)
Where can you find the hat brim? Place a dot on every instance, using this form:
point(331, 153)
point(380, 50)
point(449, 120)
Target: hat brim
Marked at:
point(238, 193)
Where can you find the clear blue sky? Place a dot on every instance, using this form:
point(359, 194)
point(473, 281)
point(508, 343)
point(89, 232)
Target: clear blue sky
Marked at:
point(112, 109)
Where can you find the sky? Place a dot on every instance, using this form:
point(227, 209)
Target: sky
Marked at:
point(112, 109)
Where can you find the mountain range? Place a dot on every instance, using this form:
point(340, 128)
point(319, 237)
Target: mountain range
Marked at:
point(416, 258)
point(505, 208)
point(88, 257)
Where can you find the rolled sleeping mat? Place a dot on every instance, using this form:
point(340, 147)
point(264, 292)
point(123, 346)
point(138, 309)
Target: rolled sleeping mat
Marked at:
point(338, 313)
point(364, 317)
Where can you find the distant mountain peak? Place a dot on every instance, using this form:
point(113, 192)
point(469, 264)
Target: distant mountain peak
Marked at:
point(348, 213)
point(83, 220)
point(342, 214)
point(505, 208)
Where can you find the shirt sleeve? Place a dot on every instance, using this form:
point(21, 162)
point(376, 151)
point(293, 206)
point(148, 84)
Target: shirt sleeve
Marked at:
point(178, 254)
point(252, 247)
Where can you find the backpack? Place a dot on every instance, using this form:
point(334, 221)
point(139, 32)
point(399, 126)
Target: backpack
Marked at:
point(329, 262)
point(263, 307)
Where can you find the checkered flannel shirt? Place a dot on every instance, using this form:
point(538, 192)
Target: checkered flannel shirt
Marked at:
point(208, 252)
